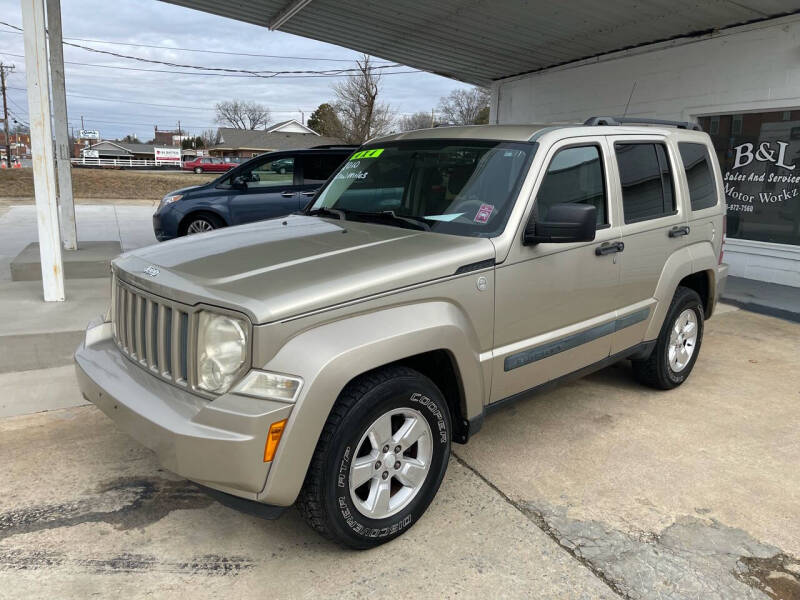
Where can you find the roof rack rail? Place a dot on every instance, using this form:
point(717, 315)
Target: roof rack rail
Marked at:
point(640, 121)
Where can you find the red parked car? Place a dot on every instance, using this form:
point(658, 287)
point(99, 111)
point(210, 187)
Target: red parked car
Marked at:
point(207, 164)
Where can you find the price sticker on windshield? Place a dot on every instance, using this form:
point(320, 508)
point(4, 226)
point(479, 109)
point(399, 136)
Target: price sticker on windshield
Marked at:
point(374, 153)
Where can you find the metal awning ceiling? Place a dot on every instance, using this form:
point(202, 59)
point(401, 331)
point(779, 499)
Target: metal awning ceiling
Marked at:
point(478, 41)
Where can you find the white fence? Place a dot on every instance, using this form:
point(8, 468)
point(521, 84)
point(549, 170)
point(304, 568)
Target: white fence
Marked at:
point(122, 162)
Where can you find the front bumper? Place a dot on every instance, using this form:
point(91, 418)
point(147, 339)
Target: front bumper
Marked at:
point(219, 443)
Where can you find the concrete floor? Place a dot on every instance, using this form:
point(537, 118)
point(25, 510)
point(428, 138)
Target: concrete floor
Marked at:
point(597, 489)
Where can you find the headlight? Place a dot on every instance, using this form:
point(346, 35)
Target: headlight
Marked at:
point(169, 200)
point(221, 351)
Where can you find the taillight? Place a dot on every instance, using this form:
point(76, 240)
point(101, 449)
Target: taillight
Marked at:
point(722, 241)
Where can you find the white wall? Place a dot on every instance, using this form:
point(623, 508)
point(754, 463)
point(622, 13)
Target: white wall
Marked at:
point(749, 68)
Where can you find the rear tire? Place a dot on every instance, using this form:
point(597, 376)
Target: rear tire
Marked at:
point(379, 460)
point(677, 345)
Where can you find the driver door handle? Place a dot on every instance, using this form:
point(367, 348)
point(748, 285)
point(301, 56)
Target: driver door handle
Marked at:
point(609, 248)
point(288, 194)
point(678, 231)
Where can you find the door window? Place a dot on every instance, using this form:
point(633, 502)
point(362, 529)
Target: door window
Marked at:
point(317, 168)
point(647, 189)
point(702, 190)
point(278, 172)
point(574, 175)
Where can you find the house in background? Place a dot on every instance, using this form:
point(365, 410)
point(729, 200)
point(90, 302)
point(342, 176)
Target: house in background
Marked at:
point(114, 149)
point(286, 135)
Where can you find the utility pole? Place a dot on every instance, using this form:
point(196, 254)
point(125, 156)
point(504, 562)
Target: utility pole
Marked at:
point(302, 117)
point(82, 125)
point(3, 69)
point(432, 119)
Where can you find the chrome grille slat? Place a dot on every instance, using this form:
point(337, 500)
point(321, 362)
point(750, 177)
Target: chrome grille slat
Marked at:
point(176, 347)
point(154, 333)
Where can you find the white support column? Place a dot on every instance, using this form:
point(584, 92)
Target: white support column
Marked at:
point(69, 232)
point(44, 173)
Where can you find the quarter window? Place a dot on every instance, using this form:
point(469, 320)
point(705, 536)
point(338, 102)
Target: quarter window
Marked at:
point(702, 190)
point(647, 189)
point(574, 175)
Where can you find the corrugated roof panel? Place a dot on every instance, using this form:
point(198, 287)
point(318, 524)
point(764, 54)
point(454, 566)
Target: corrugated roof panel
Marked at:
point(478, 41)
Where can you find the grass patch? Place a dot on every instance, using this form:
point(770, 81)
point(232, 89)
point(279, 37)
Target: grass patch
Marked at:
point(106, 184)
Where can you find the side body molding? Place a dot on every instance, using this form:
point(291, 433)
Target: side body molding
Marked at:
point(326, 357)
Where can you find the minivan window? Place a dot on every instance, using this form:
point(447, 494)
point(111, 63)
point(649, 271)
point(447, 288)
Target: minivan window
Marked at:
point(460, 187)
point(271, 173)
point(318, 167)
point(575, 175)
point(647, 188)
point(702, 189)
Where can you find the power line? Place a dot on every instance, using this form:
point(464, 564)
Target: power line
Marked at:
point(267, 74)
point(139, 45)
point(71, 95)
point(245, 76)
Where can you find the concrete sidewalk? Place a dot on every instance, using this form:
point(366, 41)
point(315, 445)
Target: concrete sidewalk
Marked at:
point(130, 225)
point(765, 298)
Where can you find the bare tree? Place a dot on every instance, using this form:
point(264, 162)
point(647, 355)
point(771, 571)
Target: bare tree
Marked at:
point(242, 114)
point(210, 137)
point(419, 120)
point(360, 113)
point(464, 106)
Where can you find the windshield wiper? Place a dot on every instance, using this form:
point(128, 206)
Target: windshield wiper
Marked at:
point(411, 219)
point(324, 210)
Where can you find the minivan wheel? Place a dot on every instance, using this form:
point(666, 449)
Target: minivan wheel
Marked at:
point(379, 460)
point(200, 223)
point(198, 170)
point(678, 343)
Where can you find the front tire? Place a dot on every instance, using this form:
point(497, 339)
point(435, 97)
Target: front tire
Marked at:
point(379, 460)
point(200, 223)
point(198, 170)
point(677, 346)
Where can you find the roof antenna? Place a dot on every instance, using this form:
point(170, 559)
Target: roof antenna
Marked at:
point(625, 114)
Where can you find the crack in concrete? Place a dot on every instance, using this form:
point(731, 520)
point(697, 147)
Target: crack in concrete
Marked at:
point(691, 558)
point(541, 524)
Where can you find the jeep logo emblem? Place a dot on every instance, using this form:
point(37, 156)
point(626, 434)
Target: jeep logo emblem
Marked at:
point(152, 270)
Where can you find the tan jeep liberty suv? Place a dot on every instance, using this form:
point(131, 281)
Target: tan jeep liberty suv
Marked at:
point(330, 357)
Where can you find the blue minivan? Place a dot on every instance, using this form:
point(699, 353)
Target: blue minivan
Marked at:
point(268, 186)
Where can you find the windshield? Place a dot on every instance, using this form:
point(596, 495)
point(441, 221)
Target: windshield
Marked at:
point(461, 187)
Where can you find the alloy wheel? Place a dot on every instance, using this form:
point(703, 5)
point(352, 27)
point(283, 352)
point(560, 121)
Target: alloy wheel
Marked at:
point(391, 463)
point(682, 340)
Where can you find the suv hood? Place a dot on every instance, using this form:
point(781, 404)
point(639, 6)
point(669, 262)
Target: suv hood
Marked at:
point(284, 267)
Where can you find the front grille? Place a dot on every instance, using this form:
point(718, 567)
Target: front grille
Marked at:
point(154, 332)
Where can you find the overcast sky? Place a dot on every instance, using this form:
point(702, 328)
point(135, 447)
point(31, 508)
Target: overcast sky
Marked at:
point(106, 97)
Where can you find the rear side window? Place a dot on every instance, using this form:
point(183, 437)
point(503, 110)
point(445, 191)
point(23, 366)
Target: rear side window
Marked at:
point(647, 188)
point(574, 175)
point(318, 167)
point(702, 190)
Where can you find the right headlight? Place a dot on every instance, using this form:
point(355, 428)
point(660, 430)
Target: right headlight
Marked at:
point(221, 351)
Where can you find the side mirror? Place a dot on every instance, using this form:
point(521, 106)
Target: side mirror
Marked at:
point(239, 182)
point(565, 223)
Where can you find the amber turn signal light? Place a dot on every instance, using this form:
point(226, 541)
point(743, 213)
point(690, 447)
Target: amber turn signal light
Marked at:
point(273, 439)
